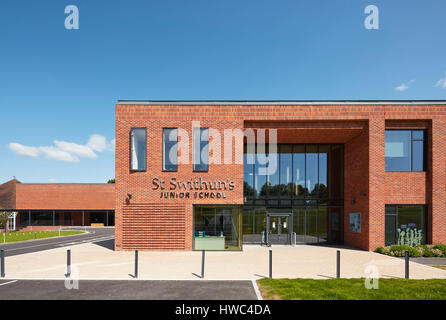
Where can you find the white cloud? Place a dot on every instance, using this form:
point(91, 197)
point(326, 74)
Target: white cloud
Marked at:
point(441, 83)
point(52, 153)
point(75, 149)
point(403, 87)
point(66, 151)
point(97, 143)
point(22, 150)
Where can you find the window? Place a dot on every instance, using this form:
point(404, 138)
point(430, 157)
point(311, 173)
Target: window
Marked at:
point(405, 223)
point(302, 171)
point(170, 149)
point(405, 150)
point(138, 149)
point(201, 149)
point(217, 228)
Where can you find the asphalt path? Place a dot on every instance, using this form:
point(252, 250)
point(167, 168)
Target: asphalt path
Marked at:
point(126, 290)
point(105, 235)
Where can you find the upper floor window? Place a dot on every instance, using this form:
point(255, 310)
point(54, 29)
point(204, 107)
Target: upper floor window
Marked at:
point(201, 149)
point(138, 149)
point(170, 149)
point(405, 150)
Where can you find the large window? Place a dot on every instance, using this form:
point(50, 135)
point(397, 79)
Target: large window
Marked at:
point(302, 171)
point(170, 149)
point(138, 149)
point(217, 228)
point(405, 150)
point(403, 220)
point(201, 150)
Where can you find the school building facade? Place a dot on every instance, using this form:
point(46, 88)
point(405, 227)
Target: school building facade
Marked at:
point(214, 175)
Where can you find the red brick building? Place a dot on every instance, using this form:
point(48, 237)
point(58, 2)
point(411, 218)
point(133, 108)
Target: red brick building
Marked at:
point(353, 172)
point(196, 175)
point(46, 206)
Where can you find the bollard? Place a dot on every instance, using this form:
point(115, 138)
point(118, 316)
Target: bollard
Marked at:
point(136, 263)
point(406, 254)
point(338, 264)
point(35, 235)
point(68, 262)
point(270, 264)
point(202, 263)
point(2, 258)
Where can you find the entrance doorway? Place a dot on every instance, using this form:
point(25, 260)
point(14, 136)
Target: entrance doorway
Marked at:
point(279, 227)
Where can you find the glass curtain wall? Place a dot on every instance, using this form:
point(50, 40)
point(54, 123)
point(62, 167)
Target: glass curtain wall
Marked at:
point(308, 183)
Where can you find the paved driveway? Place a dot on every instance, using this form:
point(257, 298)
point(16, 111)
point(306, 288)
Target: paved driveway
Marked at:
point(98, 261)
point(123, 290)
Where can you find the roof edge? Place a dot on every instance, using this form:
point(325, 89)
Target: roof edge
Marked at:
point(281, 102)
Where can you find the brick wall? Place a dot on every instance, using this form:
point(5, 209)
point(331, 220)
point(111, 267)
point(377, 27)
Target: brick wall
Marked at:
point(65, 196)
point(359, 127)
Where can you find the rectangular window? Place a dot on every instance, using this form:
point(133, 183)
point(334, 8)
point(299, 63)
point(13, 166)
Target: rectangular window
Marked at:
point(405, 224)
point(170, 149)
point(217, 228)
point(405, 150)
point(201, 149)
point(302, 171)
point(138, 149)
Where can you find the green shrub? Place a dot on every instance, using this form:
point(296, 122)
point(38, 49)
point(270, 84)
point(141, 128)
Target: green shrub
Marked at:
point(381, 250)
point(399, 251)
point(442, 248)
point(431, 251)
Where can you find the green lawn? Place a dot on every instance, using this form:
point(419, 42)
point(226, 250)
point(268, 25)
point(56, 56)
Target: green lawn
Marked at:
point(31, 235)
point(440, 267)
point(352, 289)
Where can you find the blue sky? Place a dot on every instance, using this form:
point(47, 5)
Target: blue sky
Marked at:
point(59, 87)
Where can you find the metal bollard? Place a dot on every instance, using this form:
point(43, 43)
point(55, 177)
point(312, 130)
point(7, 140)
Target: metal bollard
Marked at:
point(269, 239)
point(136, 263)
point(338, 264)
point(35, 235)
point(270, 264)
point(2, 258)
point(68, 262)
point(202, 263)
point(406, 254)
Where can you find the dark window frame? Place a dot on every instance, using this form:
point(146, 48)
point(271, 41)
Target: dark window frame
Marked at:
point(425, 217)
point(130, 150)
point(194, 169)
point(163, 169)
point(281, 201)
point(412, 140)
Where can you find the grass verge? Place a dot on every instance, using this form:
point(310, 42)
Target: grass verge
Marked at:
point(440, 267)
point(31, 235)
point(352, 289)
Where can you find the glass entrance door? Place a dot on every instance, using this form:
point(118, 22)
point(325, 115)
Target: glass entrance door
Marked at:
point(279, 228)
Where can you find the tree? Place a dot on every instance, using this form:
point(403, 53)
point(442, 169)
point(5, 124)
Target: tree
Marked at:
point(3, 215)
point(111, 181)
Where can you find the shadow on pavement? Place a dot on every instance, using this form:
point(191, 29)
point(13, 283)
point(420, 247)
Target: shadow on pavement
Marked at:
point(107, 244)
